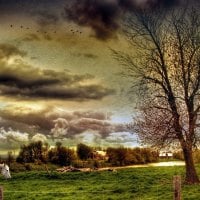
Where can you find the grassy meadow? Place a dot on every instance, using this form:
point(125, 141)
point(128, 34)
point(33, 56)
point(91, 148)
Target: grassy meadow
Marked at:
point(133, 183)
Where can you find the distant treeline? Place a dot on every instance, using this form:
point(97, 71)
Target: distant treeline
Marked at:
point(83, 156)
point(127, 156)
point(196, 155)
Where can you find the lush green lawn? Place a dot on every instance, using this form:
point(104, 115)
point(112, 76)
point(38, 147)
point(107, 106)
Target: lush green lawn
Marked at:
point(136, 183)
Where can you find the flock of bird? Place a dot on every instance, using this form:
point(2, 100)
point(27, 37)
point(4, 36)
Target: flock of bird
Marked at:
point(45, 32)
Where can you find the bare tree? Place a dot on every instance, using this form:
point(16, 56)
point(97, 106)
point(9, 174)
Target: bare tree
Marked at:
point(166, 70)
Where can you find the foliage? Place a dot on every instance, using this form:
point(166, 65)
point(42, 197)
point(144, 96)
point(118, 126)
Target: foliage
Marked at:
point(32, 152)
point(90, 163)
point(126, 156)
point(166, 71)
point(37, 153)
point(10, 158)
point(23, 167)
point(196, 154)
point(61, 155)
point(84, 152)
point(178, 155)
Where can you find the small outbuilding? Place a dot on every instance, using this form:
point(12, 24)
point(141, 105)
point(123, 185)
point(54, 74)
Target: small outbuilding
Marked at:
point(166, 154)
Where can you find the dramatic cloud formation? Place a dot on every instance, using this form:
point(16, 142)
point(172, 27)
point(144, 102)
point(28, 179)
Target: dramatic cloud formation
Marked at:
point(99, 15)
point(58, 79)
point(27, 6)
point(60, 128)
point(103, 16)
point(20, 79)
point(45, 18)
point(11, 135)
point(12, 139)
point(8, 50)
point(57, 124)
point(80, 125)
point(16, 124)
point(79, 122)
point(39, 137)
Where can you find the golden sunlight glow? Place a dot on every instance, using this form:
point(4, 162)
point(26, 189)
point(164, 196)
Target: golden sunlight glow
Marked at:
point(25, 107)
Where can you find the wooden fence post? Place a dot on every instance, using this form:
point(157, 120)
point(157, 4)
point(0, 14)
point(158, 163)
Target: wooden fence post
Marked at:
point(177, 187)
point(1, 193)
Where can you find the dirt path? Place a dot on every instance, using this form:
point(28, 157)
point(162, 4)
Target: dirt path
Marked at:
point(159, 164)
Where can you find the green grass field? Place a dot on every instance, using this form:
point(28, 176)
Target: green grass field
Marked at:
point(153, 183)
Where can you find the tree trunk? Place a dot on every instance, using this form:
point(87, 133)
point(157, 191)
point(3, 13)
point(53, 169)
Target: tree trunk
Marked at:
point(191, 174)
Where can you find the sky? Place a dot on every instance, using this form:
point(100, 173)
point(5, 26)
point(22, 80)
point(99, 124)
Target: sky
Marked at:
point(58, 78)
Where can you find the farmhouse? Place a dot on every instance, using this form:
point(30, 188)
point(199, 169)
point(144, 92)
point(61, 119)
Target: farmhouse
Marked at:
point(166, 154)
point(100, 155)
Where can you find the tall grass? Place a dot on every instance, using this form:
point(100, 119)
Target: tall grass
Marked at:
point(136, 183)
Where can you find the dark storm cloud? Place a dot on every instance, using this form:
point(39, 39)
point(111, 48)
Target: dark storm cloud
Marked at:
point(16, 125)
point(80, 122)
point(46, 15)
point(45, 18)
point(49, 87)
point(26, 121)
point(13, 80)
point(103, 16)
point(66, 92)
point(19, 79)
point(104, 128)
point(28, 6)
point(99, 15)
point(59, 124)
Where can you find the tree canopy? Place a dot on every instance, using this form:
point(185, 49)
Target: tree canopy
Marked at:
point(166, 72)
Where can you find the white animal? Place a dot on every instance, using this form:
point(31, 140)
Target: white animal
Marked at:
point(5, 171)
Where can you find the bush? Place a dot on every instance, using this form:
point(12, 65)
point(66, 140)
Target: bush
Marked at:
point(196, 156)
point(17, 167)
point(31, 153)
point(28, 167)
point(61, 155)
point(84, 152)
point(178, 155)
point(126, 156)
point(10, 158)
